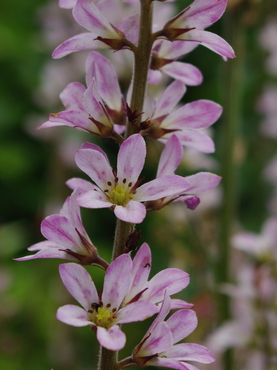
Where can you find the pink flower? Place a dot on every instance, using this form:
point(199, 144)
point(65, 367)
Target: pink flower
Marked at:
point(187, 122)
point(121, 191)
point(83, 111)
point(67, 237)
point(261, 245)
point(164, 59)
point(102, 32)
point(95, 109)
point(104, 314)
point(172, 280)
point(190, 23)
point(158, 348)
point(200, 182)
point(67, 4)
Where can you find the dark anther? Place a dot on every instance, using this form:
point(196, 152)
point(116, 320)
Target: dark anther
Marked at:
point(95, 306)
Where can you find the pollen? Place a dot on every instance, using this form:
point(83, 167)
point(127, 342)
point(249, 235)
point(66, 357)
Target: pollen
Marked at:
point(119, 195)
point(103, 317)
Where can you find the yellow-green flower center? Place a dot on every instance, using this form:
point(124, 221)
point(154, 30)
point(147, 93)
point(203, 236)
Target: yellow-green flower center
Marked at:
point(120, 195)
point(102, 316)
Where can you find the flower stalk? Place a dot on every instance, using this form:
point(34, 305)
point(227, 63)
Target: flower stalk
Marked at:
point(122, 231)
point(141, 62)
point(108, 359)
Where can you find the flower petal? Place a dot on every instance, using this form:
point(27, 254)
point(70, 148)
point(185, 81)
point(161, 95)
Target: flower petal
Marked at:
point(107, 82)
point(161, 187)
point(70, 118)
point(49, 253)
point(137, 311)
point(154, 76)
point(140, 271)
point(96, 166)
point(73, 315)
point(171, 280)
point(181, 324)
point(195, 115)
point(71, 211)
point(93, 199)
point(131, 158)
point(79, 284)
point(59, 230)
point(171, 157)
point(82, 185)
point(170, 97)
point(202, 182)
point(113, 338)
point(72, 96)
point(185, 72)
point(87, 145)
point(201, 14)
point(159, 340)
point(171, 363)
point(117, 281)
point(178, 303)
point(130, 27)
point(133, 212)
point(174, 49)
point(165, 308)
point(90, 17)
point(190, 352)
point(67, 4)
point(93, 105)
point(211, 41)
point(196, 140)
point(83, 41)
point(46, 244)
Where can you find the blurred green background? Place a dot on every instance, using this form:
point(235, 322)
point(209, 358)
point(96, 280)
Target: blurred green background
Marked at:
point(34, 166)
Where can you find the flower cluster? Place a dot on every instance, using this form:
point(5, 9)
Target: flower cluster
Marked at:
point(133, 120)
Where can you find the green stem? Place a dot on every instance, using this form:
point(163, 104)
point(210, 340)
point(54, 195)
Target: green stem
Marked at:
point(141, 63)
point(127, 363)
point(122, 231)
point(107, 358)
